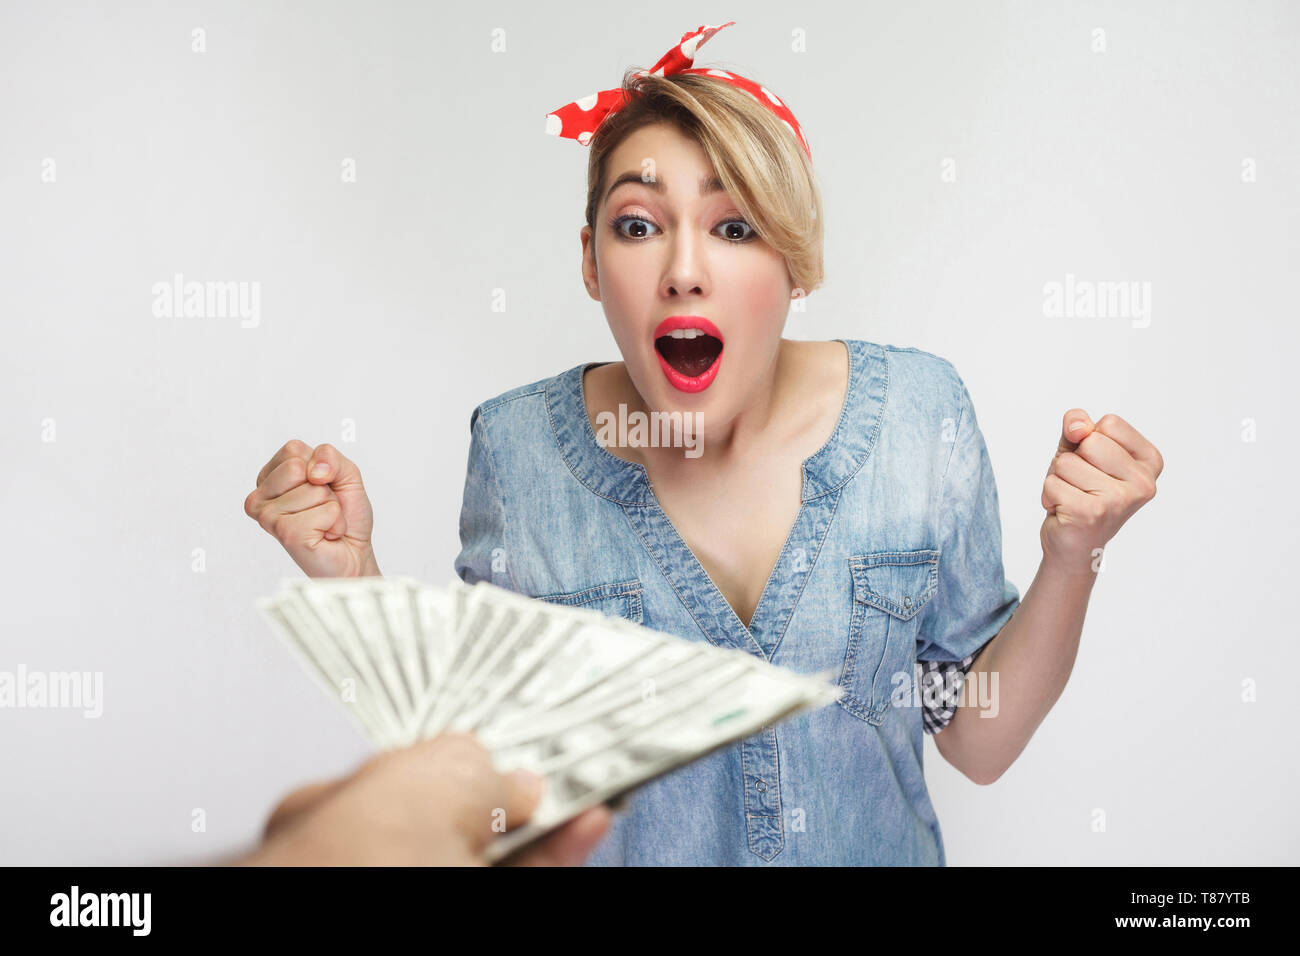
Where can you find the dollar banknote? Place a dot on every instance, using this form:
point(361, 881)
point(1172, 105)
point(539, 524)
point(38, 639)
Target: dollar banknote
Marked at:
point(596, 705)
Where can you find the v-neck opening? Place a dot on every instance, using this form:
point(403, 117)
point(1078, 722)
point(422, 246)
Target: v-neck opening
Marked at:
point(799, 519)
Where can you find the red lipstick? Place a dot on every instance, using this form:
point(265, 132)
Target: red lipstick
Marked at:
point(688, 352)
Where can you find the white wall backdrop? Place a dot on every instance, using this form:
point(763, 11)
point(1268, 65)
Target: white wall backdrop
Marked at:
point(970, 154)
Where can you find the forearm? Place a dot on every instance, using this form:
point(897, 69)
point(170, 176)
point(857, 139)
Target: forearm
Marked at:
point(308, 846)
point(313, 839)
point(271, 853)
point(1019, 675)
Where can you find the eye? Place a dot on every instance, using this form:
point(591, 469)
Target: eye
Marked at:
point(743, 237)
point(617, 225)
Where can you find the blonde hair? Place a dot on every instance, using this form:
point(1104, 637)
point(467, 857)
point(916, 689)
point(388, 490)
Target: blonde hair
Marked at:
point(759, 161)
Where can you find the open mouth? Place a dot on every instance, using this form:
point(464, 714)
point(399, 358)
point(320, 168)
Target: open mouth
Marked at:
point(689, 351)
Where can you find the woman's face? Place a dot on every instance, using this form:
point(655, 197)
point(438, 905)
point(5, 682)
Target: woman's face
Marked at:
point(669, 247)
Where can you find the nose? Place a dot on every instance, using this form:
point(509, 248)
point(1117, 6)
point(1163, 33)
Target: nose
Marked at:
point(686, 273)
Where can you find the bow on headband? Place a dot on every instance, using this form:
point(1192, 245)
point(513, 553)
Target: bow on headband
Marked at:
point(579, 119)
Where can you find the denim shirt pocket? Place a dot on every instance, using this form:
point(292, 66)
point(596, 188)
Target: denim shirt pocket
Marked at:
point(889, 590)
point(616, 599)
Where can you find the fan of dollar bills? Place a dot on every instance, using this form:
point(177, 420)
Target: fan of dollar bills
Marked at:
point(595, 704)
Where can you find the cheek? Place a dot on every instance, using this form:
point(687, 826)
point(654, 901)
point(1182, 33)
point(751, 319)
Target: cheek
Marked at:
point(763, 293)
point(623, 295)
point(624, 277)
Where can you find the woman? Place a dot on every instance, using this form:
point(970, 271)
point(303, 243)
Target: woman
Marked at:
point(840, 517)
point(827, 506)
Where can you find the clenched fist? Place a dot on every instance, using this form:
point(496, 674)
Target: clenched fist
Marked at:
point(312, 501)
point(1100, 476)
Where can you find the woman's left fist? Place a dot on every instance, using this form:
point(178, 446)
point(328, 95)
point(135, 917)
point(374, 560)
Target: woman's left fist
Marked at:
point(1100, 475)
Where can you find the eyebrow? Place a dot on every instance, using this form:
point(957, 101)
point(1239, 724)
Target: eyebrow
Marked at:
point(708, 184)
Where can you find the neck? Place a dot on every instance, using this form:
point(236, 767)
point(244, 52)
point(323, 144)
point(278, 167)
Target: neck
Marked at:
point(722, 441)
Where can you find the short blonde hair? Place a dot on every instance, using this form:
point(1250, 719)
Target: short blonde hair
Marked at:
point(760, 163)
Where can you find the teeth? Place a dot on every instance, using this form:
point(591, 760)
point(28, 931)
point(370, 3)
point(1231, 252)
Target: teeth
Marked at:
point(686, 333)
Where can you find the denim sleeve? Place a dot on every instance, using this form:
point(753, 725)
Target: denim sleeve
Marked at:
point(482, 514)
point(974, 599)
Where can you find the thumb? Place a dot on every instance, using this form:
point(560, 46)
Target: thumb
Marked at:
point(328, 465)
point(519, 793)
point(570, 844)
point(338, 471)
point(523, 794)
point(1075, 427)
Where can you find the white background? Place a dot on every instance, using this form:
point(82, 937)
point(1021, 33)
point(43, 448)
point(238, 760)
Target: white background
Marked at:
point(376, 307)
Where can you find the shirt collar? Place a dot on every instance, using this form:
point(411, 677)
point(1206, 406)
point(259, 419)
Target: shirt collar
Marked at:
point(826, 470)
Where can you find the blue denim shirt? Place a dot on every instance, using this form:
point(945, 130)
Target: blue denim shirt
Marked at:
point(895, 557)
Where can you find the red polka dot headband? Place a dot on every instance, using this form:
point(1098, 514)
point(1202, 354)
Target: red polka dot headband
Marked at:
point(579, 119)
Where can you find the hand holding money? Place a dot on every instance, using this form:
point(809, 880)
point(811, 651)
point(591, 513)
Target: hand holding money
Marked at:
point(431, 804)
point(595, 705)
point(321, 517)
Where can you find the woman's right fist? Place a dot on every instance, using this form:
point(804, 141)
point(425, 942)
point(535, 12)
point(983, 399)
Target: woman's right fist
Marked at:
point(322, 519)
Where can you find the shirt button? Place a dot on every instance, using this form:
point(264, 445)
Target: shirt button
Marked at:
point(760, 786)
point(907, 601)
